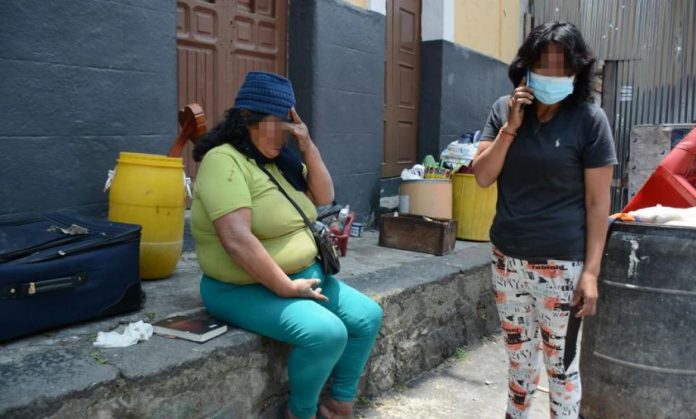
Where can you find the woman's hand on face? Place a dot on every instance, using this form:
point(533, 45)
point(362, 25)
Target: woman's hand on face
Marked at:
point(299, 130)
point(304, 288)
point(585, 298)
point(520, 97)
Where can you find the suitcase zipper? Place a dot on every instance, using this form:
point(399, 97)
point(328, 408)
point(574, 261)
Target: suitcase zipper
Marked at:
point(18, 254)
point(88, 246)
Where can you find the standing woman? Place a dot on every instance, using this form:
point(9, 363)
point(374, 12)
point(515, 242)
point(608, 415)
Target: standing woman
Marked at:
point(552, 153)
point(258, 257)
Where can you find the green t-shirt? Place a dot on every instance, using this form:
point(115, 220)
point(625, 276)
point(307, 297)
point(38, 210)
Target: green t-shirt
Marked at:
point(227, 180)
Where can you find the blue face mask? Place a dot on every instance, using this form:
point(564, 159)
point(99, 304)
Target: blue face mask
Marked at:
point(549, 90)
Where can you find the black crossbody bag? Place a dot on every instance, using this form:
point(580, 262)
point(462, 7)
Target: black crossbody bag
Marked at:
point(327, 253)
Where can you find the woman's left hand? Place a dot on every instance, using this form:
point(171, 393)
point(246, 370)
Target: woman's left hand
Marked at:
point(585, 298)
point(299, 130)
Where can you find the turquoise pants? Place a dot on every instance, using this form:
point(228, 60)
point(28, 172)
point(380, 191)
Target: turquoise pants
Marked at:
point(331, 338)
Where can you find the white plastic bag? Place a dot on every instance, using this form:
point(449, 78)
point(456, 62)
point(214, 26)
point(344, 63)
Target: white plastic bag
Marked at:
point(666, 215)
point(461, 153)
point(414, 173)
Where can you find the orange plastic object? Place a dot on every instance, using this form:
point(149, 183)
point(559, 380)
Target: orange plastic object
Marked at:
point(673, 183)
point(622, 216)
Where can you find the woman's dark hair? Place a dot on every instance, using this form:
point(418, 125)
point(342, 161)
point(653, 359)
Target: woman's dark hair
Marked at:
point(578, 56)
point(232, 130)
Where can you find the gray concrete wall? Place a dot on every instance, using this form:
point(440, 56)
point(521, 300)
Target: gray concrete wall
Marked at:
point(81, 80)
point(336, 54)
point(649, 145)
point(458, 88)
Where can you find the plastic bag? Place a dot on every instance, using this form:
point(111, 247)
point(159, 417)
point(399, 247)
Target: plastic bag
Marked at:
point(461, 152)
point(666, 215)
point(414, 173)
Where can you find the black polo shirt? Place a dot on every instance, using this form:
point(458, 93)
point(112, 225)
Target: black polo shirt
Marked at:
point(540, 212)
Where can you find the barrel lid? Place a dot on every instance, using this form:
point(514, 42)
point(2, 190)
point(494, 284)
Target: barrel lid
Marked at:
point(427, 180)
point(150, 159)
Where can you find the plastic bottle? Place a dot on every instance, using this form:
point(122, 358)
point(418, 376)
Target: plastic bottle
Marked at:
point(343, 215)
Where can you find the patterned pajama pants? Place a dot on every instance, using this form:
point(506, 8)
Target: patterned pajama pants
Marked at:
point(533, 301)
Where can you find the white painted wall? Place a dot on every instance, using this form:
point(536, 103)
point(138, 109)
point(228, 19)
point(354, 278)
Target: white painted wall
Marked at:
point(379, 6)
point(437, 20)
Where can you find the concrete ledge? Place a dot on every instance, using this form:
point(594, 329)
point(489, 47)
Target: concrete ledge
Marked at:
point(432, 306)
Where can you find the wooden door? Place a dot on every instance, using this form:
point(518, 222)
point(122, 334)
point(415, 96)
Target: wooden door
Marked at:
point(402, 81)
point(259, 38)
point(218, 42)
point(200, 51)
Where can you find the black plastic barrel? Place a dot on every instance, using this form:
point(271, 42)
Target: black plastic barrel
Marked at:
point(639, 352)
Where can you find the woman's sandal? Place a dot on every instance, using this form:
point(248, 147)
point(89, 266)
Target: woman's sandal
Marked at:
point(324, 412)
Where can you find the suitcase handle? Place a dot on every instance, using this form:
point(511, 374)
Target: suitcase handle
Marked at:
point(30, 289)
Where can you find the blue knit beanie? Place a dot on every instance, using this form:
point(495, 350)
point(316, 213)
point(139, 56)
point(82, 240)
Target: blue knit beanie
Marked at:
point(266, 93)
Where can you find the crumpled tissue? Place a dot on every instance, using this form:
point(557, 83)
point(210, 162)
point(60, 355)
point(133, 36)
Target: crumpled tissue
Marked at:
point(133, 333)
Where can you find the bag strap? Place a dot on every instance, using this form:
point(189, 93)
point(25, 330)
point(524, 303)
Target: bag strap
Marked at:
point(309, 224)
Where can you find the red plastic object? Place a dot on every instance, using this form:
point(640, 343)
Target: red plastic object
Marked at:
point(341, 240)
point(673, 183)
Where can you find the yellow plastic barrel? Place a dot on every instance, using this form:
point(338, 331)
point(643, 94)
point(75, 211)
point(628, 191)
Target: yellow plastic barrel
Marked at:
point(473, 207)
point(149, 190)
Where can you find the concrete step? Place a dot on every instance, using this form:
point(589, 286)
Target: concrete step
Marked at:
point(432, 306)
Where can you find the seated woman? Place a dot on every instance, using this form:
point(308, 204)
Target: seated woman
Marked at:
point(260, 260)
